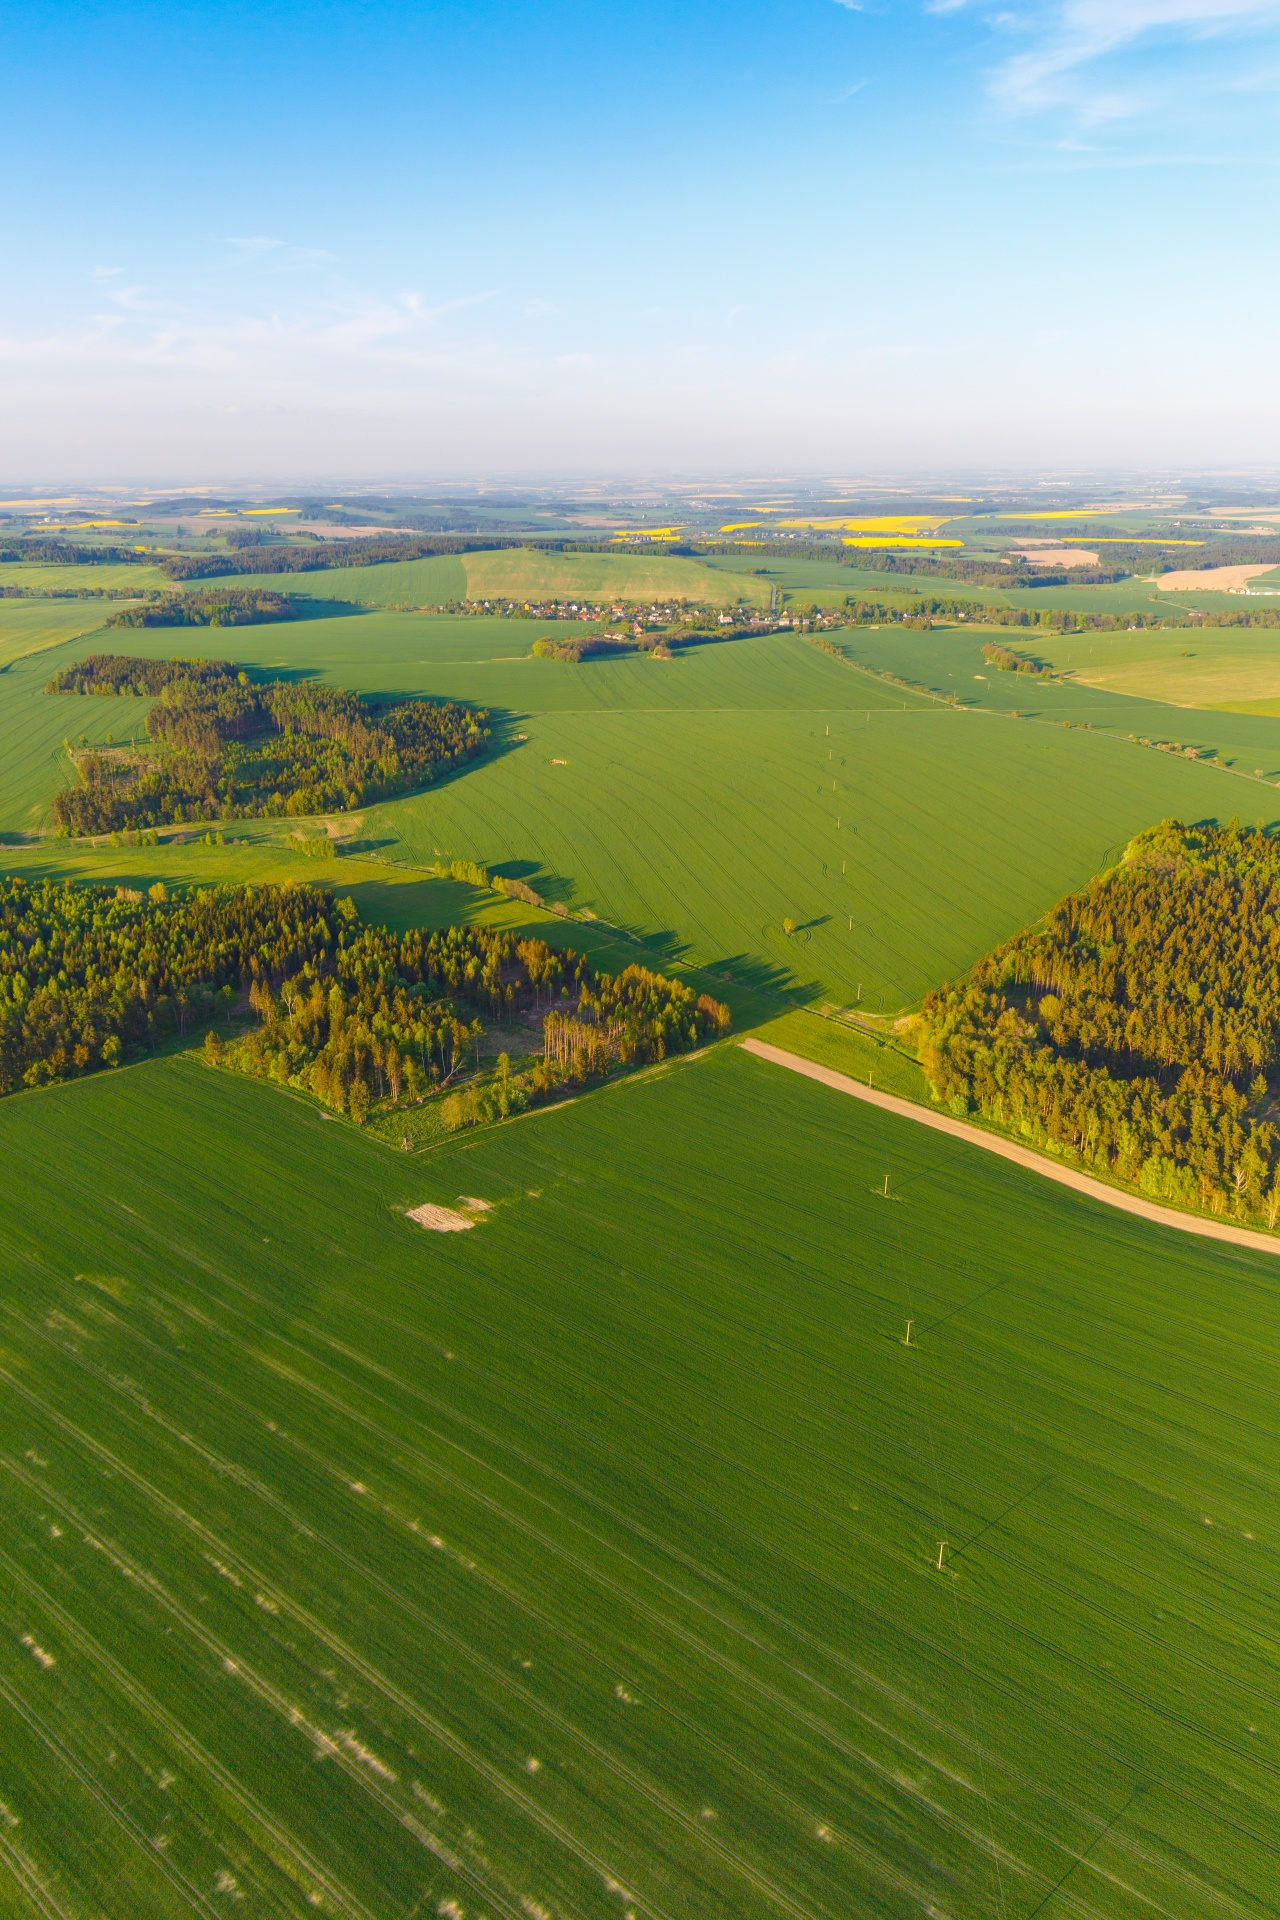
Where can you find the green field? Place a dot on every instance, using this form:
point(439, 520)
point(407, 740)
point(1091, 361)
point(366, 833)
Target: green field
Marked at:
point(34, 626)
point(1212, 666)
point(37, 578)
point(584, 1563)
point(702, 801)
point(515, 573)
point(396, 583)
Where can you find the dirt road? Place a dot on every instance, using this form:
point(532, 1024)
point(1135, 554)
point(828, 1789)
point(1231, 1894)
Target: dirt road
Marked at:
point(1009, 1150)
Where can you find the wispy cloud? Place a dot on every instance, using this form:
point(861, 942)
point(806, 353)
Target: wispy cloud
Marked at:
point(1068, 41)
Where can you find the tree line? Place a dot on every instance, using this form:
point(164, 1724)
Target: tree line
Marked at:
point(1137, 1029)
point(229, 747)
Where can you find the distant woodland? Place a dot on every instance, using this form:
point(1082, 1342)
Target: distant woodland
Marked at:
point(223, 746)
point(1137, 1029)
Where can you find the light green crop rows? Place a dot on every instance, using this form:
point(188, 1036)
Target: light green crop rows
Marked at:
point(585, 1562)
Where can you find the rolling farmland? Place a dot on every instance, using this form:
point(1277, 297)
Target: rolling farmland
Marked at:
point(586, 1562)
point(699, 802)
point(518, 573)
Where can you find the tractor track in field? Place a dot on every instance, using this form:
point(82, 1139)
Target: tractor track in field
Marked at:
point(1009, 1150)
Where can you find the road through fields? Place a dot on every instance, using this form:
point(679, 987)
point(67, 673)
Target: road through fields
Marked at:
point(1009, 1150)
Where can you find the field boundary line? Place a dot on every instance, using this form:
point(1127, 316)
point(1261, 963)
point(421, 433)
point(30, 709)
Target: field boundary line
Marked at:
point(1009, 1150)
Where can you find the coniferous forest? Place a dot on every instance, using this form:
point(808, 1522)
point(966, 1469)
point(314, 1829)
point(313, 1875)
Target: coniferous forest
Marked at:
point(223, 746)
point(1137, 1029)
point(355, 1015)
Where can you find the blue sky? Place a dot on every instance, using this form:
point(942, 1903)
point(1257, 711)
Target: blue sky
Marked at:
point(445, 240)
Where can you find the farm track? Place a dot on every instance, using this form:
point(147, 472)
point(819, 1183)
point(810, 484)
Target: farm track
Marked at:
point(1009, 1150)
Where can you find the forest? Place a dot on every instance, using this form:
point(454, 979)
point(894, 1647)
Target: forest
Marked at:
point(231, 607)
point(90, 977)
point(224, 747)
point(1137, 1028)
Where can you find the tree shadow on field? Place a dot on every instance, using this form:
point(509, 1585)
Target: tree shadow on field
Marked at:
point(766, 976)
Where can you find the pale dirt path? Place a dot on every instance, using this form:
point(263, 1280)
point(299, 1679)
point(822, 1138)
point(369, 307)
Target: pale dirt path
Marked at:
point(1009, 1150)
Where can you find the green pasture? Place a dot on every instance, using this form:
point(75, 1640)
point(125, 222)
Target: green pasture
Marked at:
point(585, 1563)
point(38, 578)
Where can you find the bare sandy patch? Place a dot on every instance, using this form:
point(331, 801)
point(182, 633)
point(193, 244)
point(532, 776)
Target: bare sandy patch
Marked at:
point(473, 1205)
point(1058, 556)
point(1213, 579)
point(441, 1219)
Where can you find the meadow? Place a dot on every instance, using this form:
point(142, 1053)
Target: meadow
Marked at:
point(585, 1563)
point(700, 802)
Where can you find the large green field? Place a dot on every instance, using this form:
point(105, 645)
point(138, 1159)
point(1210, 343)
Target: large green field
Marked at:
point(516, 573)
point(1213, 666)
point(34, 626)
point(36, 577)
point(702, 801)
point(586, 1563)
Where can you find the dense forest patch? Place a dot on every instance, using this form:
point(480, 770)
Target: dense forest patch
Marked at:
point(229, 607)
point(224, 746)
point(1137, 1029)
point(355, 1015)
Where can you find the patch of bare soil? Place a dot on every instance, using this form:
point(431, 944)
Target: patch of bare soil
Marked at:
point(441, 1219)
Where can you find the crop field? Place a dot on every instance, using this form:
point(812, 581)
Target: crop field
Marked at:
point(949, 661)
point(526, 574)
point(34, 626)
point(932, 831)
point(1213, 666)
point(37, 578)
point(33, 727)
point(585, 1563)
point(516, 573)
point(700, 802)
point(828, 583)
point(409, 583)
